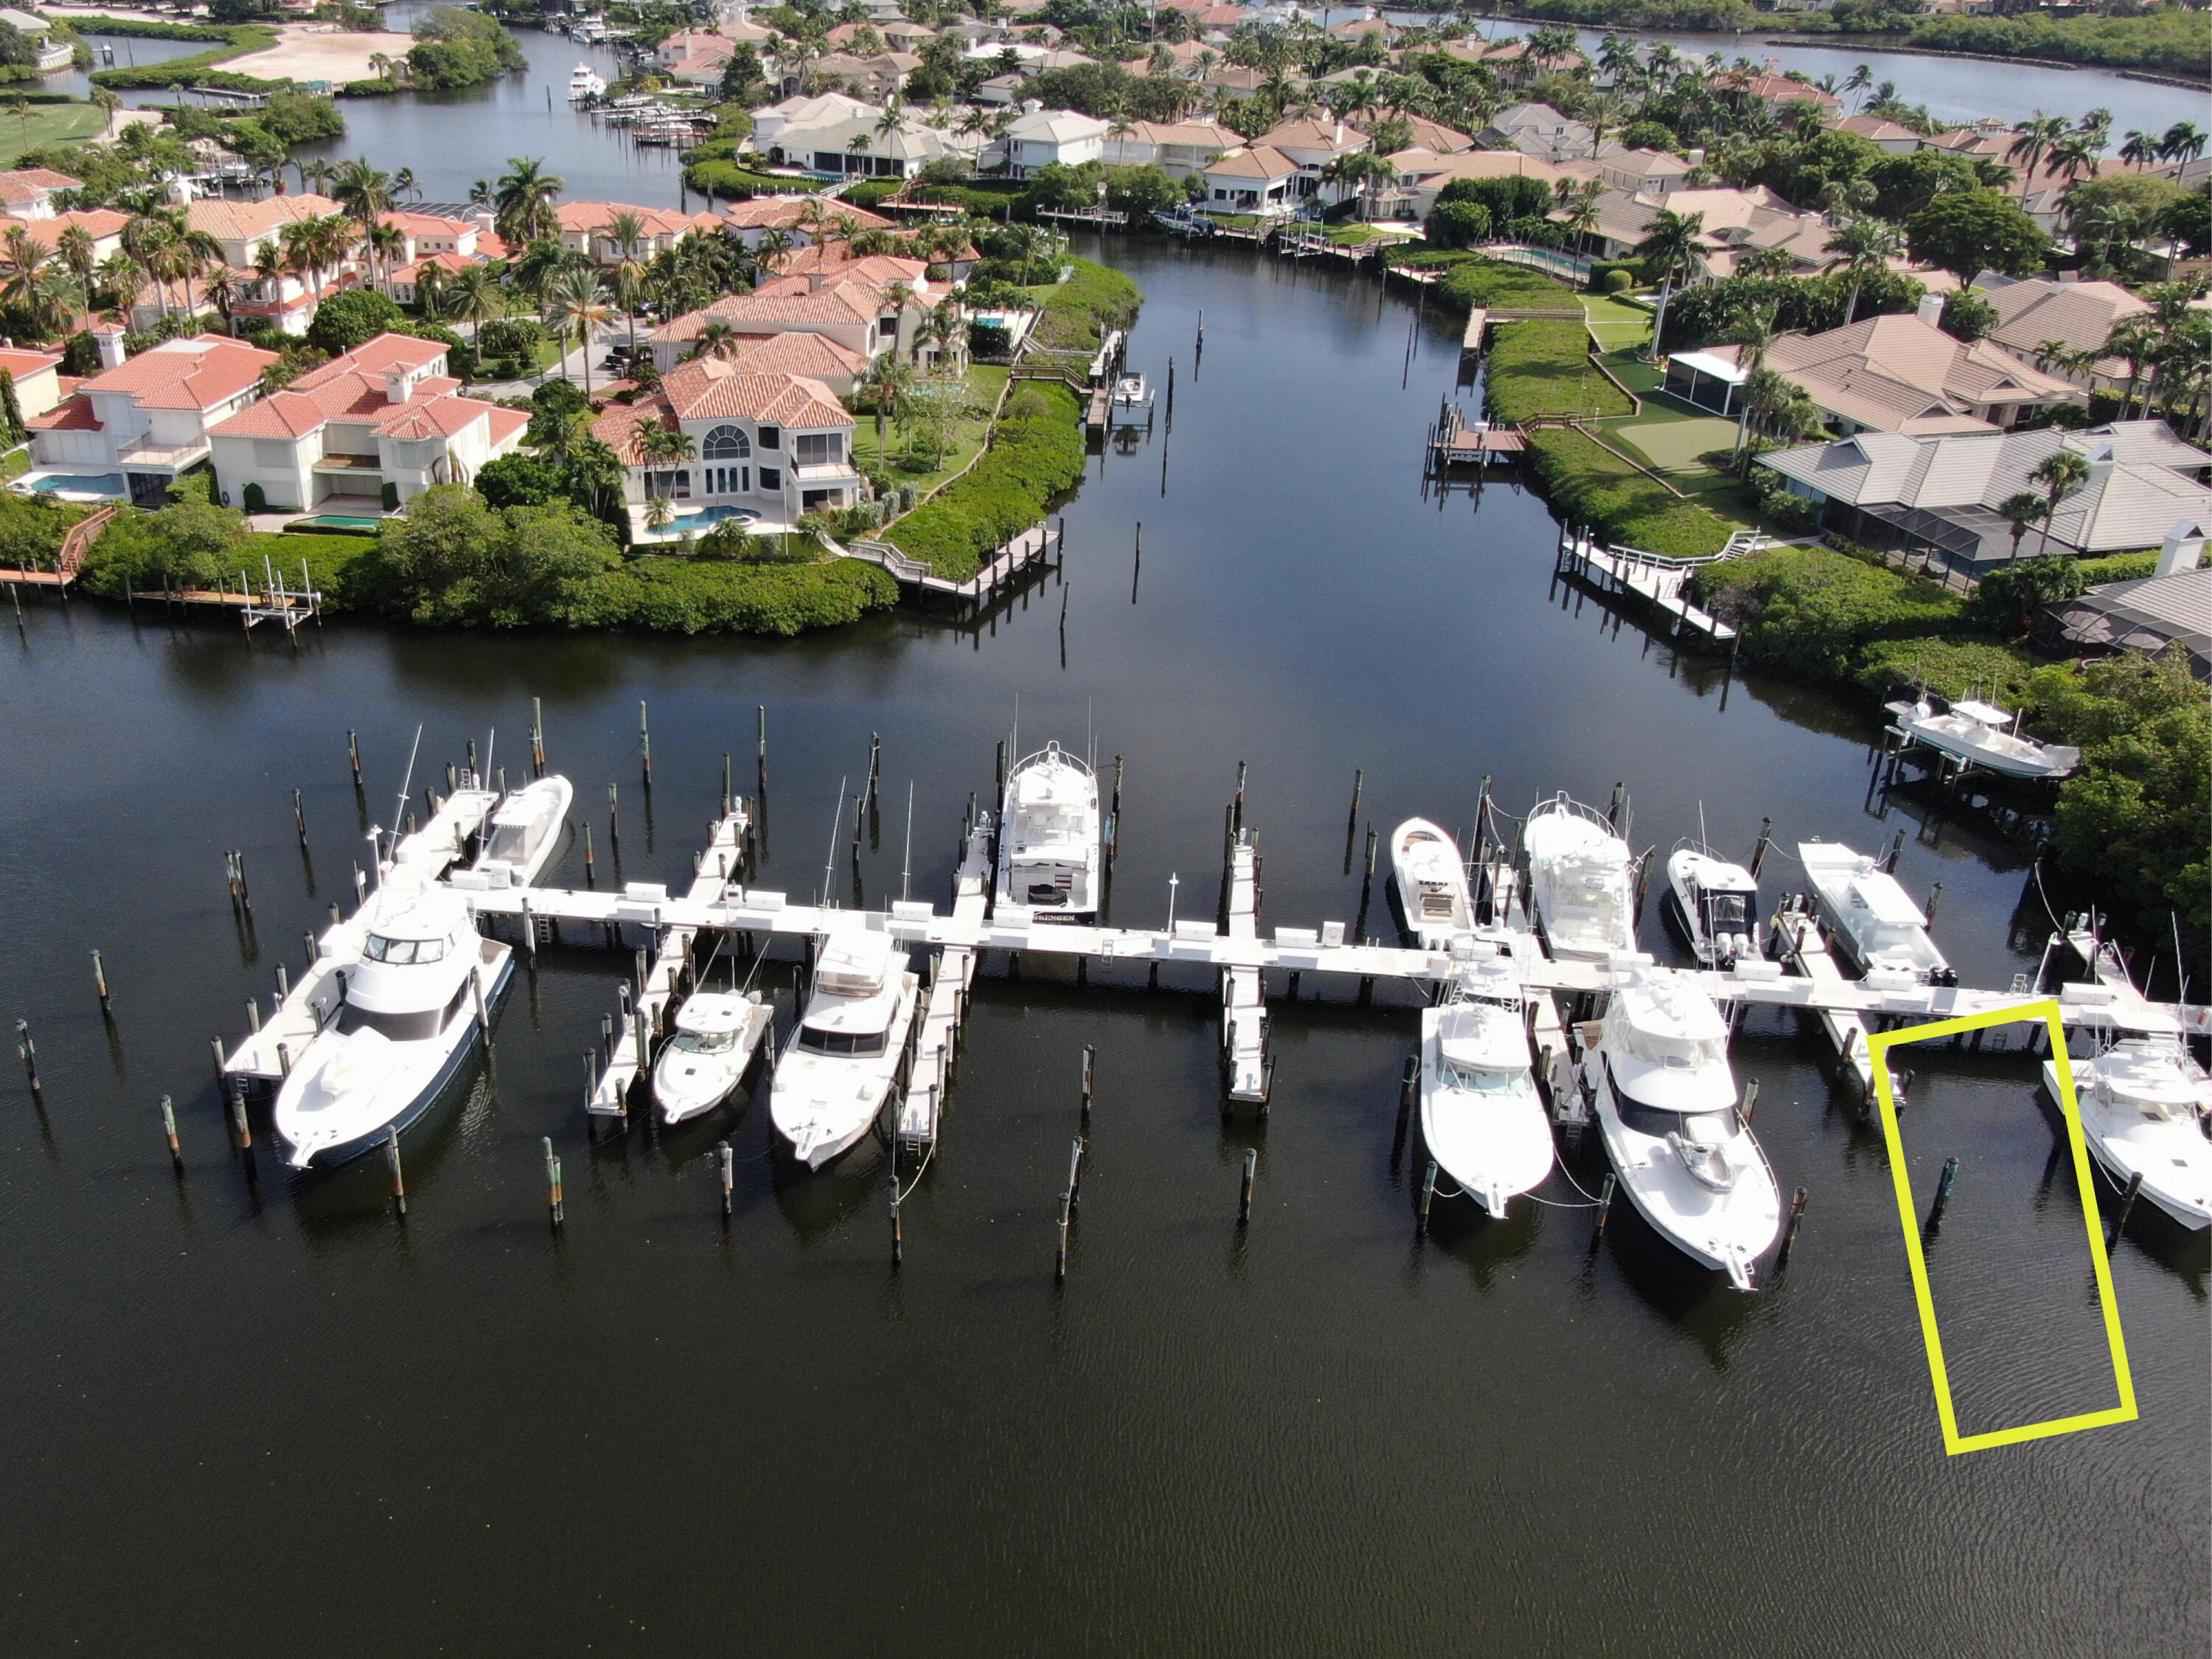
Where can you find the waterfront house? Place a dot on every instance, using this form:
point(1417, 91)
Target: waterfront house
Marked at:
point(103, 225)
point(1263, 180)
point(1881, 132)
point(794, 216)
point(28, 192)
point(1939, 492)
point(868, 307)
point(865, 145)
point(587, 227)
point(1894, 374)
point(1039, 138)
point(1178, 148)
point(1778, 91)
point(1654, 172)
point(1736, 222)
point(37, 375)
point(1422, 174)
point(2035, 311)
point(1311, 145)
point(364, 432)
point(1539, 131)
point(127, 431)
point(53, 56)
point(765, 446)
point(772, 120)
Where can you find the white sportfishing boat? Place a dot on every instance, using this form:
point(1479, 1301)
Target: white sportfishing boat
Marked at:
point(406, 1020)
point(717, 1035)
point(1131, 403)
point(1881, 929)
point(1582, 880)
point(2144, 1105)
point(1050, 855)
point(1481, 1115)
point(1718, 904)
point(1433, 889)
point(521, 837)
point(837, 1070)
point(1982, 734)
point(586, 83)
point(1667, 1109)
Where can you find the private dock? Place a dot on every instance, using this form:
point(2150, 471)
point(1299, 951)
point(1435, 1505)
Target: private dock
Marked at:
point(1038, 547)
point(1658, 582)
point(1454, 440)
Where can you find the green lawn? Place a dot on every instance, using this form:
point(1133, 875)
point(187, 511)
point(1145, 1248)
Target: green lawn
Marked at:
point(1671, 442)
point(985, 381)
point(36, 126)
point(15, 463)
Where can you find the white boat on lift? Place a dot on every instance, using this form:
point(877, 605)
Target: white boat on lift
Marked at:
point(586, 83)
point(836, 1071)
point(1982, 734)
point(1666, 1104)
point(1866, 909)
point(2145, 1103)
point(1131, 401)
point(1718, 904)
point(1481, 1116)
point(1582, 880)
point(1051, 853)
point(1431, 881)
point(522, 836)
point(717, 1035)
point(406, 1020)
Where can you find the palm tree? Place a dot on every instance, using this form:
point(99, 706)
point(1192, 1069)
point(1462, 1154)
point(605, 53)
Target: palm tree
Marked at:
point(1858, 80)
point(2077, 153)
point(887, 385)
point(1671, 241)
point(715, 339)
point(2032, 142)
point(75, 250)
point(362, 191)
point(473, 297)
point(626, 232)
point(522, 202)
point(1754, 331)
point(573, 300)
point(1358, 171)
point(403, 183)
point(384, 243)
point(2019, 510)
point(2183, 141)
point(1867, 245)
point(2061, 472)
point(2139, 150)
point(430, 291)
point(22, 263)
point(2135, 340)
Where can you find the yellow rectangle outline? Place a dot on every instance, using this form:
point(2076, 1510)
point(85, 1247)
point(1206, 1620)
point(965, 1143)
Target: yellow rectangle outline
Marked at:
point(1878, 1046)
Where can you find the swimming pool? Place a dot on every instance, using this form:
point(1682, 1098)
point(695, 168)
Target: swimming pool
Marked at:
point(706, 517)
point(79, 483)
point(335, 521)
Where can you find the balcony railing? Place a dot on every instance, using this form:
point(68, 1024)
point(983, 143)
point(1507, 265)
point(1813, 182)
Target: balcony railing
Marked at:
point(179, 456)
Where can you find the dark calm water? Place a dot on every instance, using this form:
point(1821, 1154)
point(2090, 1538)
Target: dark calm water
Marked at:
point(261, 1417)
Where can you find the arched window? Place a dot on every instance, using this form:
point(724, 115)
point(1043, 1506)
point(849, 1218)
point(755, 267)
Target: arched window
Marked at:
point(725, 443)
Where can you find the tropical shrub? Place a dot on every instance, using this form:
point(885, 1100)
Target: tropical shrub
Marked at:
point(1037, 452)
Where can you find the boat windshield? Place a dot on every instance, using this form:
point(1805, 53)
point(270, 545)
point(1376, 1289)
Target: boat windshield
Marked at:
point(1728, 911)
point(377, 948)
point(1700, 1128)
point(510, 843)
point(859, 1045)
point(706, 1043)
point(1483, 1080)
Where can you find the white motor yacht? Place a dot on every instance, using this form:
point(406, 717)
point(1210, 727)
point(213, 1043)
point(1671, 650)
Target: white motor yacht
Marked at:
point(1050, 856)
point(717, 1035)
point(1881, 929)
point(405, 1022)
point(836, 1071)
point(2144, 1103)
point(1667, 1109)
point(1433, 889)
point(587, 82)
point(1480, 1114)
point(1984, 735)
point(1582, 880)
point(522, 836)
point(1718, 903)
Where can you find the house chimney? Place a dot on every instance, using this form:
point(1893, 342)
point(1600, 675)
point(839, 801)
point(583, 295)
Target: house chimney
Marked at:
point(2184, 549)
point(109, 340)
point(1931, 309)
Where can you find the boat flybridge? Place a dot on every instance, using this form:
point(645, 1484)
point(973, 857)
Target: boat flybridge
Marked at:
point(1432, 887)
point(1131, 403)
point(1881, 930)
point(2146, 1108)
point(521, 837)
point(837, 1070)
point(1582, 880)
point(1666, 1103)
point(407, 1015)
point(1481, 1116)
point(1051, 855)
point(1718, 904)
point(717, 1035)
point(1982, 734)
point(586, 83)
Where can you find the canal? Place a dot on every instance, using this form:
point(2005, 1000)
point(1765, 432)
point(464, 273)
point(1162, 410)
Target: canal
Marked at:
point(264, 1412)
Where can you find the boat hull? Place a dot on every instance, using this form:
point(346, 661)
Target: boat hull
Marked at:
point(2095, 1135)
point(1728, 1239)
point(679, 1098)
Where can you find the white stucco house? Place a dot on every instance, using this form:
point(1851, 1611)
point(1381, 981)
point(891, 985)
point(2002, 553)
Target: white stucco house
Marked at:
point(373, 429)
point(1039, 137)
point(127, 432)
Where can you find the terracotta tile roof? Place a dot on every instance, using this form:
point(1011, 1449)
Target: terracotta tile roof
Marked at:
point(73, 414)
point(706, 388)
point(817, 357)
point(383, 352)
point(617, 426)
point(427, 224)
point(658, 222)
point(99, 224)
point(503, 422)
point(234, 222)
point(443, 261)
point(786, 303)
point(1263, 163)
point(286, 414)
point(1332, 135)
point(41, 180)
point(438, 417)
point(19, 363)
point(199, 373)
point(783, 213)
point(492, 245)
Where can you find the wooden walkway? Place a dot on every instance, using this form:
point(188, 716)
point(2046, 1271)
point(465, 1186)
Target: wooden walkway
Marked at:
point(69, 557)
point(1658, 582)
point(1040, 545)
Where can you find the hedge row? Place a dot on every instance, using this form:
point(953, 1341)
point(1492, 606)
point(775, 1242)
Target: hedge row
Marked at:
point(1078, 312)
point(1815, 611)
point(1037, 452)
point(1591, 485)
point(672, 595)
point(1542, 366)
